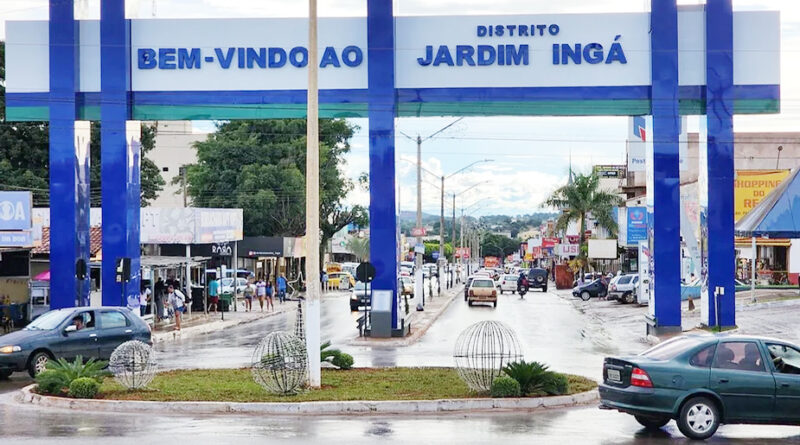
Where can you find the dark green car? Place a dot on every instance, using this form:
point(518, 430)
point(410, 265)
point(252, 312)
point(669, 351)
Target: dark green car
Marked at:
point(702, 381)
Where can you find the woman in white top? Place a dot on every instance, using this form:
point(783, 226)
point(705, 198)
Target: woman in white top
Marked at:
point(176, 300)
point(144, 297)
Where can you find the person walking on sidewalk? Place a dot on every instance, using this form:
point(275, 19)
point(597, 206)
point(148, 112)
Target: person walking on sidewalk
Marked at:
point(144, 299)
point(158, 298)
point(281, 288)
point(269, 291)
point(213, 295)
point(261, 293)
point(324, 277)
point(249, 291)
point(177, 300)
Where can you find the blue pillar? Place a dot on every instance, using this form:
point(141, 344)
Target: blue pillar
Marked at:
point(69, 188)
point(119, 154)
point(719, 118)
point(382, 211)
point(666, 223)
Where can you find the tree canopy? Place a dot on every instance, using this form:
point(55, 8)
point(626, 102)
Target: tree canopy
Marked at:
point(259, 166)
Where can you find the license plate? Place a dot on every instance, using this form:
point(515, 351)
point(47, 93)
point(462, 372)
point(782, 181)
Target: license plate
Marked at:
point(613, 374)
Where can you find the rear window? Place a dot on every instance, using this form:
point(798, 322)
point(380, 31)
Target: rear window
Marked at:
point(672, 348)
point(510, 278)
point(624, 280)
point(483, 283)
point(112, 319)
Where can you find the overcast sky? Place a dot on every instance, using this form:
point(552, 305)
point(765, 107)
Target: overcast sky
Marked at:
point(530, 155)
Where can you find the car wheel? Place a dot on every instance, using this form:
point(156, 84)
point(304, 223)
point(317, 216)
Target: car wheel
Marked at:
point(38, 363)
point(585, 296)
point(353, 308)
point(495, 304)
point(544, 289)
point(628, 298)
point(699, 418)
point(501, 291)
point(5, 374)
point(652, 423)
point(469, 303)
point(513, 292)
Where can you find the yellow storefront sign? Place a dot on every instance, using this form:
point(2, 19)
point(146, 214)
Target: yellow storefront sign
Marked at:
point(751, 186)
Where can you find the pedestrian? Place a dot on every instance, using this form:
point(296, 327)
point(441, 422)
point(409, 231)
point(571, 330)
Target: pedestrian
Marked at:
point(177, 301)
point(269, 292)
point(144, 299)
point(160, 287)
point(213, 294)
point(324, 278)
point(281, 288)
point(249, 291)
point(261, 293)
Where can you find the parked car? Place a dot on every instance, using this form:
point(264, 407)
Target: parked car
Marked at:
point(703, 381)
point(406, 286)
point(537, 278)
point(595, 289)
point(508, 283)
point(359, 296)
point(482, 290)
point(469, 282)
point(587, 278)
point(57, 334)
point(623, 288)
point(341, 280)
point(226, 284)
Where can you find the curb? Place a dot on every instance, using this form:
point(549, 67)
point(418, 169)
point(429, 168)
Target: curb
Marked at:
point(416, 334)
point(26, 396)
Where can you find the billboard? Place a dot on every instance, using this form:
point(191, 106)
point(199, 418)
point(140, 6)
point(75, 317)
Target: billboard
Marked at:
point(751, 186)
point(636, 225)
point(15, 211)
point(603, 248)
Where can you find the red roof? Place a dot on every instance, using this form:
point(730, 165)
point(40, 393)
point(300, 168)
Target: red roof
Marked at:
point(95, 233)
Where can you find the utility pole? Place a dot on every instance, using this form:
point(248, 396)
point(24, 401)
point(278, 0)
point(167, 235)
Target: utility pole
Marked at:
point(441, 243)
point(183, 180)
point(312, 207)
point(418, 286)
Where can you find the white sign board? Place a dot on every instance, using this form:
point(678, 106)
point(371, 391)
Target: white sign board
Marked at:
point(251, 54)
point(603, 248)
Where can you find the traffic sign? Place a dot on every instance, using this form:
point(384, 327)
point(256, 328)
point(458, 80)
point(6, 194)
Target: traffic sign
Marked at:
point(365, 272)
point(436, 255)
point(418, 231)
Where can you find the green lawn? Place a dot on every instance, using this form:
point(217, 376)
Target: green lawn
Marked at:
point(237, 385)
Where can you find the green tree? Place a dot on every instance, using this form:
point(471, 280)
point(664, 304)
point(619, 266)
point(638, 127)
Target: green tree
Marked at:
point(498, 245)
point(582, 197)
point(259, 166)
point(359, 247)
point(25, 154)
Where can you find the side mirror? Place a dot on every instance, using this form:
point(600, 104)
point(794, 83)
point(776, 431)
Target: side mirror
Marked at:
point(70, 328)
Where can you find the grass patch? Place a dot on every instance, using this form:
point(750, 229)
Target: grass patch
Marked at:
point(237, 385)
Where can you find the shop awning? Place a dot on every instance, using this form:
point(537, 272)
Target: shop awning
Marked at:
point(168, 262)
point(777, 215)
point(763, 242)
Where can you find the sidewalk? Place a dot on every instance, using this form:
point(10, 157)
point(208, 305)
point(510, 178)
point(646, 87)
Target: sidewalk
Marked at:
point(420, 321)
point(200, 323)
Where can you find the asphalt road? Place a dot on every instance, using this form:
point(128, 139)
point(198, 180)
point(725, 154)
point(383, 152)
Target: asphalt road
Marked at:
point(550, 329)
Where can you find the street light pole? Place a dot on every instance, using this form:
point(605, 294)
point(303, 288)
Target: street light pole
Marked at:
point(418, 286)
point(312, 207)
point(441, 243)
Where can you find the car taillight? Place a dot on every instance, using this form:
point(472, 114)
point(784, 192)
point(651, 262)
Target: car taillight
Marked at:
point(494, 293)
point(613, 287)
point(471, 294)
point(640, 378)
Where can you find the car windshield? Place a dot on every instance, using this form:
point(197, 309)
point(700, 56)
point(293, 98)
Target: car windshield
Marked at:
point(47, 321)
point(227, 281)
point(625, 279)
point(482, 283)
point(672, 348)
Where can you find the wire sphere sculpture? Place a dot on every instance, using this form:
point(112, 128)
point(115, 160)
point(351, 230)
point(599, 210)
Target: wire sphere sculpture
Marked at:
point(133, 364)
point(279, 363)
point(299, 323)
point(481, 352)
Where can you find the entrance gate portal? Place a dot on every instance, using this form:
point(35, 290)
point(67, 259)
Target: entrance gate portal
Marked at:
point(701, 60)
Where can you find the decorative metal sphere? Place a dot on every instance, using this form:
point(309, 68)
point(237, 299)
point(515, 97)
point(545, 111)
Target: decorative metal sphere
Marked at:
point(279, 363)
point(133, 364)
point(482, 351)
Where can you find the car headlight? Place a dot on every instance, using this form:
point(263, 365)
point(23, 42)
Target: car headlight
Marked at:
point(353, 296)
point(10, 349)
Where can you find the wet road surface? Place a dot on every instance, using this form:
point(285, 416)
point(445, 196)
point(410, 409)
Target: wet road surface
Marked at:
point(550, 329)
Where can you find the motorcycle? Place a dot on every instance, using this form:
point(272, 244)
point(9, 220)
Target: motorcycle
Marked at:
point(522, 289)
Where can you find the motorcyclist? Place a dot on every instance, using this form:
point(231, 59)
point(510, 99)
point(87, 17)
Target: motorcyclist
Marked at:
point(522, 283)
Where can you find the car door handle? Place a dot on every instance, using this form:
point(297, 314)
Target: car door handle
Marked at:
point(724, 380)
point(92, 335)
point(128, 331)
point(785, 385)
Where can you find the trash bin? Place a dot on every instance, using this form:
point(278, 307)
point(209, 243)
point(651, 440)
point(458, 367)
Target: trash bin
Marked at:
point(381, 314)
point(225, 301)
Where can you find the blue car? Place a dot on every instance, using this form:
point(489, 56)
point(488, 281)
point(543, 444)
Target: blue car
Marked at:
point(89, 332)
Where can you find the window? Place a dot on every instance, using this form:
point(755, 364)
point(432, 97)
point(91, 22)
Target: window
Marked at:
point(112, 319)
point(671, 348)
point(88, 320)
point(739, 356)
point(483, 283)
point(47, 321)
point(625, 279)
point(785, 358)
point(703, 358)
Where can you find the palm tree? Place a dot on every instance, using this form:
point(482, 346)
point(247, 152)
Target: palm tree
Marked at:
point(581, 197)
point(359, 247)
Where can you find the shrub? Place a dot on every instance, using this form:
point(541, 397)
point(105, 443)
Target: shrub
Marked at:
point(505, 386)
point(61, 373)
point(51, 382)
point(556, 384)
point(326, 353)
point(343, 360)
point(83, 388)
point(530, 375)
